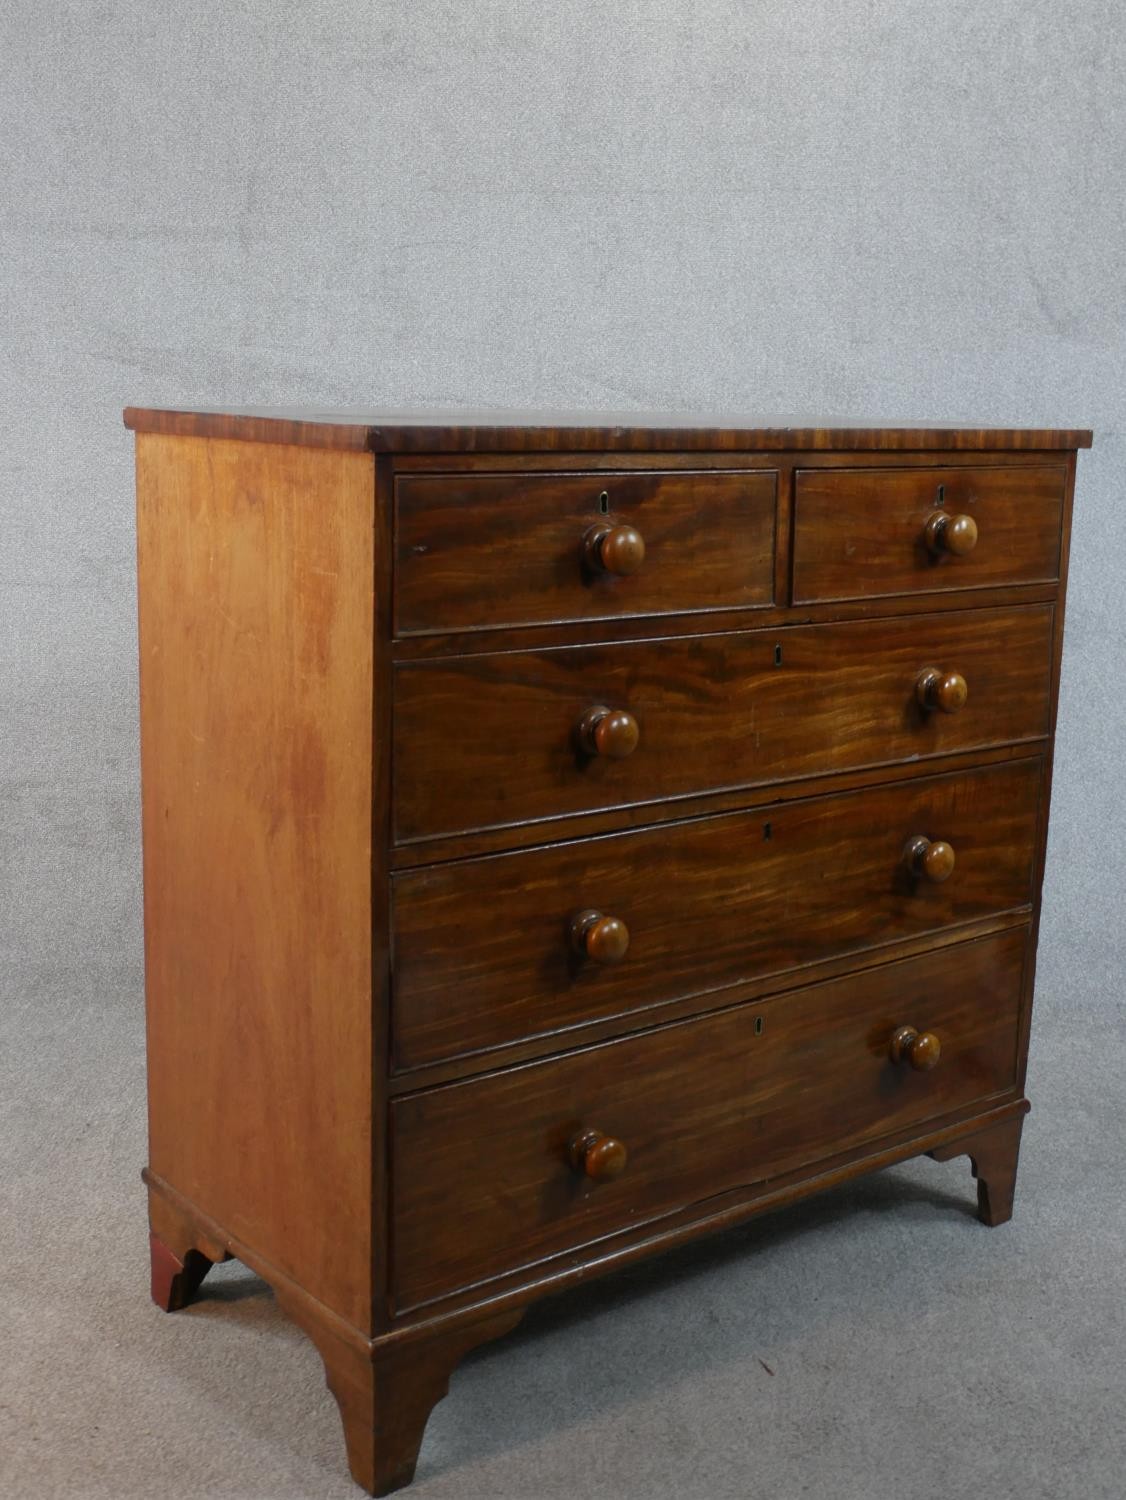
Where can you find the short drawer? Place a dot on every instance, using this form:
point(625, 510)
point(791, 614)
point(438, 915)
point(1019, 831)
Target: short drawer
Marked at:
point(861, 533)
point(499, 739)
point(494, 950)
point(491, 1174)
point(489, 550)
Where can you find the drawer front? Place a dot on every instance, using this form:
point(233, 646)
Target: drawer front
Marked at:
point(860, 533)
point(526, 549)
point(482, 1177)
point(492, 740)
point(489, 950)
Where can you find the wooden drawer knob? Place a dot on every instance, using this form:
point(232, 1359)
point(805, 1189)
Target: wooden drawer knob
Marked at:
point(933, 859)
point(603, 939)
point(921, 1050)
point(954, 534)
point(943, 690)
point(608, 731)
point(598, 1156)
point(614, 549)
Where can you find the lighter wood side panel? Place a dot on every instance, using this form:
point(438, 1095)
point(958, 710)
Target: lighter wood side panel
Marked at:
point(255, 603)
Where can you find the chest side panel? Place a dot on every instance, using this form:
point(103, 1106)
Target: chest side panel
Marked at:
point(255, 600)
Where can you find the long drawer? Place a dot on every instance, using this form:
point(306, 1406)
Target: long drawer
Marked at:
point(699, 1107)
point(859, 533)
point(492, 950)
point(505, 738)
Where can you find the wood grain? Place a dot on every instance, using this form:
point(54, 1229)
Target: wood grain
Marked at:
point(256, 714)
point(544, 431)
point(481, 1177)
point(715, 711)
point(483, 948)
point(769, 617)
point(385, 1396)
point(571, 1269)
point(861, 533)
point(486, 551)
point(994, 1154)
point(500, 629)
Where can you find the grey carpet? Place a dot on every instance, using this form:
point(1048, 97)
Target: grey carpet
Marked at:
point(875, 1342)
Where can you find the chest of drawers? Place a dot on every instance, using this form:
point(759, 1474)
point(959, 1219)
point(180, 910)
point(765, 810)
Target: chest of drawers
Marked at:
point(565, 838)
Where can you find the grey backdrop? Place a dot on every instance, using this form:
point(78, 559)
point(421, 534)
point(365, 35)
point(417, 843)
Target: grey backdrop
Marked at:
point(873, 208)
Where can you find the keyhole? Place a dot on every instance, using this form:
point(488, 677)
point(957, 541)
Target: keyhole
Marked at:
point(767, 831)
point(758, 1026)
point(778, 656)
point(941, 498)
point(604, 503)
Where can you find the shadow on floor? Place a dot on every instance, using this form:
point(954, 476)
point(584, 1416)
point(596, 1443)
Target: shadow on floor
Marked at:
point(233, 1293)
point(883, 1192)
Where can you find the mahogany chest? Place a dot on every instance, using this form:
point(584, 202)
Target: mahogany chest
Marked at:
point(564, 837)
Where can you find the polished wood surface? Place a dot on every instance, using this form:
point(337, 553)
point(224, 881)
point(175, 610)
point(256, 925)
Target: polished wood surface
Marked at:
point(383, 1422)
point(714, 711)
point(994, 1153)
point(596, 1155)
point(613, 547)
point(861, 533)
point(483, 953)
point(613, 819)
point(945, 691)
point(563, 840)
point(933, 858)
point(704, 1105)
point(956, 535)
point(385, 1396)
point(482, 551)
point(513, 432)
point(180, 1254)
point(174, 1281)
point(609, 732)
point(256, 709)
point(603, 939)
point(920, 1050)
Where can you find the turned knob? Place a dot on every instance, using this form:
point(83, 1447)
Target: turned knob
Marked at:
point(931, 858)
point(614, 549)
point(943, 690)
point(608, 731)
point(921, 1050)
point(603, 939)
point(598, 1156)
point(954, 534)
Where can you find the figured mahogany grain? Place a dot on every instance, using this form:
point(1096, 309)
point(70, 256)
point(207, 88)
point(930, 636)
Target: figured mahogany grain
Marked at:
point(703, 1106)
point(483, 551)
point(515, 432)
point(256, 754)
point(484, 948)
point(269, 593)
point(861, 533)
point(713, 711)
